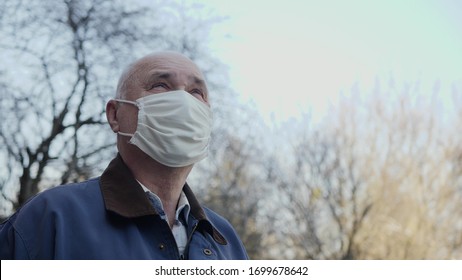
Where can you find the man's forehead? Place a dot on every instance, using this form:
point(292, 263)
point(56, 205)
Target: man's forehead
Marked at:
point(165, 74)
point(168, 64)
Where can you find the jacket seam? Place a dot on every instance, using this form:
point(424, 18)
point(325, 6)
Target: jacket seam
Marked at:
point(18, 233)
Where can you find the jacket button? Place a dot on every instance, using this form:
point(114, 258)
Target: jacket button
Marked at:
point(207, 252)
point(161, 246)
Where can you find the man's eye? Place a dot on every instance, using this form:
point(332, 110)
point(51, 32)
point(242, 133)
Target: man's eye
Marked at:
point(159, 85)
point(199, 94)
point(197, 91)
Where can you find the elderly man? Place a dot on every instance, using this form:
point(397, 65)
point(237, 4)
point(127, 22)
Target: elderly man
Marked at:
point(141, 207)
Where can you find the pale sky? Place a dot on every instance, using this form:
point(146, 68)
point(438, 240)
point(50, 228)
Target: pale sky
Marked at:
point(292, 55)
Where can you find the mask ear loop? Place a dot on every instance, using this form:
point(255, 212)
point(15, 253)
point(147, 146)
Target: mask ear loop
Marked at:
point(127, 102)
point(125, 134)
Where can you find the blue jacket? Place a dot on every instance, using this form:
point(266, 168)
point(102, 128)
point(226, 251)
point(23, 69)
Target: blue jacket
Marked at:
point(111, 217)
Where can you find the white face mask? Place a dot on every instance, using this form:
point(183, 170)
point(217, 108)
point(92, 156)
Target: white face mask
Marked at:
point(173, 127)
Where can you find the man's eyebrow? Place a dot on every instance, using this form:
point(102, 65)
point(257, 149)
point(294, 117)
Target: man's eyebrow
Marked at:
point(199, 81)
point(160, 75)
point(167, 76)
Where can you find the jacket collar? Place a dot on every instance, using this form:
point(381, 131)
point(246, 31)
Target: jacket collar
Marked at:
point(123, 195)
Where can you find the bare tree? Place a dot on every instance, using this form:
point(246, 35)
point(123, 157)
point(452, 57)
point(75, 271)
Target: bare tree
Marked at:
point(405, 166)
point(378, 178)
point(324, 193)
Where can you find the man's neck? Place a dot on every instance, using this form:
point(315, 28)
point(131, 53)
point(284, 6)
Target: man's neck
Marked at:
point(166, 182)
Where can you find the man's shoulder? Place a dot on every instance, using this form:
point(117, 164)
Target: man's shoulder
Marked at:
point(221, 224)
point(85, 189)
point(48, 216)
point(64, 198)
point(215, 218)
point(235, 245)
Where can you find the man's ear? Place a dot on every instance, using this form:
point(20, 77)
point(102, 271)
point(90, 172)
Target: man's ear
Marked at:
point(111, 115)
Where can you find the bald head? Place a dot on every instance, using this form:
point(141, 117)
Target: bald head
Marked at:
point(160, 72)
